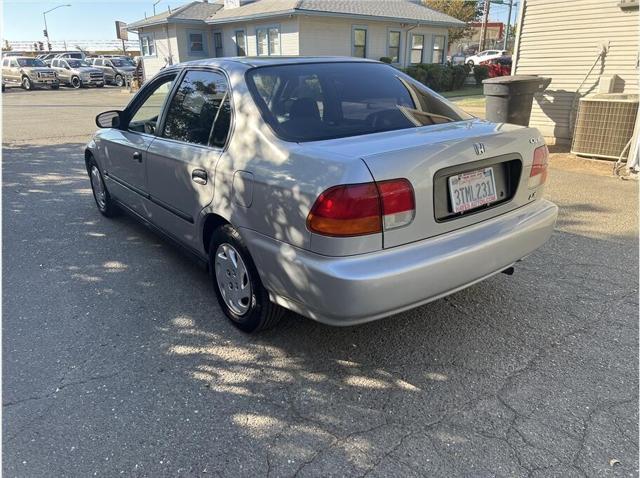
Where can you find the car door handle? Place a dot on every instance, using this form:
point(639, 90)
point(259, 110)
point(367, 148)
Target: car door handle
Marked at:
point(199, 176)
point(137, 156)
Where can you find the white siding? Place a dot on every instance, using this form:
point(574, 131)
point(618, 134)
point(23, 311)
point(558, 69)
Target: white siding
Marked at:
point(332, 36)
point(166, 48)
point(561, 40)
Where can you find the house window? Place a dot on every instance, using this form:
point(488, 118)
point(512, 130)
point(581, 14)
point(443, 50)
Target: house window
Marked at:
point(393, 47)
point(268, 41)
point(417, 47)
point(359, 39)
point(241, 43)
point(217, 43)
point(147, 45)
point(197, 43)
point(437, 55)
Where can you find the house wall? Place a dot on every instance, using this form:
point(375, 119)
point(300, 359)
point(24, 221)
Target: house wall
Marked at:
point(288, 35)
point(561, 40)
point(166, 42)
point(321, 35)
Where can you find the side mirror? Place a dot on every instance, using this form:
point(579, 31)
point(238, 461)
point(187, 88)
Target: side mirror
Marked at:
point(67, 67)
point(109, 119)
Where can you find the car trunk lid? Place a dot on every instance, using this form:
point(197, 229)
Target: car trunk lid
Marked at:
point(429, 156)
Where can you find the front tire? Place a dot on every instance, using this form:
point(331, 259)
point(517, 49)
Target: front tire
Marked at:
point(55, 87)
point(27, 84)
point(119, 81)
point(105, 203)
point(76, 83)
point(470, 63)
point(237, 285)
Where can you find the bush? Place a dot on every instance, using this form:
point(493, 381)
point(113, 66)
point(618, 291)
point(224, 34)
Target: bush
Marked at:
point(417, 74)
point(438, 77)
point(459, 75)
point(386, 59)
point(480, 72)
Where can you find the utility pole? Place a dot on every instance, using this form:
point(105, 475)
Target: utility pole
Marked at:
point(485, 19)
point(506, 33)
point(46, 30)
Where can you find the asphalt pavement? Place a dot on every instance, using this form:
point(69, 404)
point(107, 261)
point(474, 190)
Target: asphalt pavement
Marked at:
point(118, 361)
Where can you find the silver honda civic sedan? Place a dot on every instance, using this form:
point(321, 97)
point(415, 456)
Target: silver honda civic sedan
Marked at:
point(338, 188)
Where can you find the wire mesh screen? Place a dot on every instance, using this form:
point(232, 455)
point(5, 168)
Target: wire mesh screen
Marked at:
point(604, 126)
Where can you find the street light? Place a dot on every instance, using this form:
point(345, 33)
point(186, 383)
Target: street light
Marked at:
point(154, 6)
point(46, 30)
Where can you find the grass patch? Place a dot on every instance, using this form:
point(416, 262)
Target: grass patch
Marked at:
point(466, 91)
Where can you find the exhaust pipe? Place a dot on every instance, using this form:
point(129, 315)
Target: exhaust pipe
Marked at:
point(509, 271)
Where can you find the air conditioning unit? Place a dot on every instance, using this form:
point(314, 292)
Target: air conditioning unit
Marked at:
point(604, 125)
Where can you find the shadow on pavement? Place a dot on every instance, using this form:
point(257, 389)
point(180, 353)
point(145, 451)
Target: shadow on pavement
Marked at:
point(118, 359)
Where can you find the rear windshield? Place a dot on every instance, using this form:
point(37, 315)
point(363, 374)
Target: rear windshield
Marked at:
point(30, 62)
point(318, 101)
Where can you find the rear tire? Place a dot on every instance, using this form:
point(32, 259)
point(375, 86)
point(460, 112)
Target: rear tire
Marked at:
point(470, 63)
point(237, 285)
point(55, 87)
point(100, 85)
point(105, 203)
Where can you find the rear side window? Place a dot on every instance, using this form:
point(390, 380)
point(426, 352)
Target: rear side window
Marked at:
point(318, 101)
point(199, 112)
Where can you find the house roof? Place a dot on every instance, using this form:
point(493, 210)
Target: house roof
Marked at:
point(194, 12)
point(406, 11)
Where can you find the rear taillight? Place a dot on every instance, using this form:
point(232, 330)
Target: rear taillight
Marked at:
point(359, 209)
point(398, 203)
point(539, 167)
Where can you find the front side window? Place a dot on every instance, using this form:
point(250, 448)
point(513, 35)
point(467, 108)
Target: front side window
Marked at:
point(417, 47)
point(241, 43)
point(314, 102)
point(360, 42)
point(393, 51)
point(200, 112)
point(438, 49)
point(268, 41)
point(145, 117)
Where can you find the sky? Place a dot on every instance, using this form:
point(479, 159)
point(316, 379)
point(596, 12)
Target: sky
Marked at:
point(95, 19)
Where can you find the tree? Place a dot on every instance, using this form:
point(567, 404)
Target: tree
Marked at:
point(6, 46)
point(465, 10)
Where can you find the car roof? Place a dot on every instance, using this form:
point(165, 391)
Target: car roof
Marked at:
point(253, 61)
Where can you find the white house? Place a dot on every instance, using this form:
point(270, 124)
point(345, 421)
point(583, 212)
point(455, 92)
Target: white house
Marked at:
point(404, 30)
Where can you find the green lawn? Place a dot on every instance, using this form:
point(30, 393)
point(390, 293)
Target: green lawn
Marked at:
point(466, 91)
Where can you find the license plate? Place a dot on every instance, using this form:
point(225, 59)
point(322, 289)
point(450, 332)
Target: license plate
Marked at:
point(473, 189)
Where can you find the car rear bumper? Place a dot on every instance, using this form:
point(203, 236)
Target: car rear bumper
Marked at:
point(357, 289)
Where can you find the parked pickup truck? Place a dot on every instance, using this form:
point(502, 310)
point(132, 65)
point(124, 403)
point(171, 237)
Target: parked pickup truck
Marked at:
point(77, 73)
point(27, 72)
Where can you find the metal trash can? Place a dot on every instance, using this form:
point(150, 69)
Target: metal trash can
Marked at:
point(509, 98)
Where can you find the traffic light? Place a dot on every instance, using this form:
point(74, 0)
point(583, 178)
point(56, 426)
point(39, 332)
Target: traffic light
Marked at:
point(40, 46)
point(46, 33)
